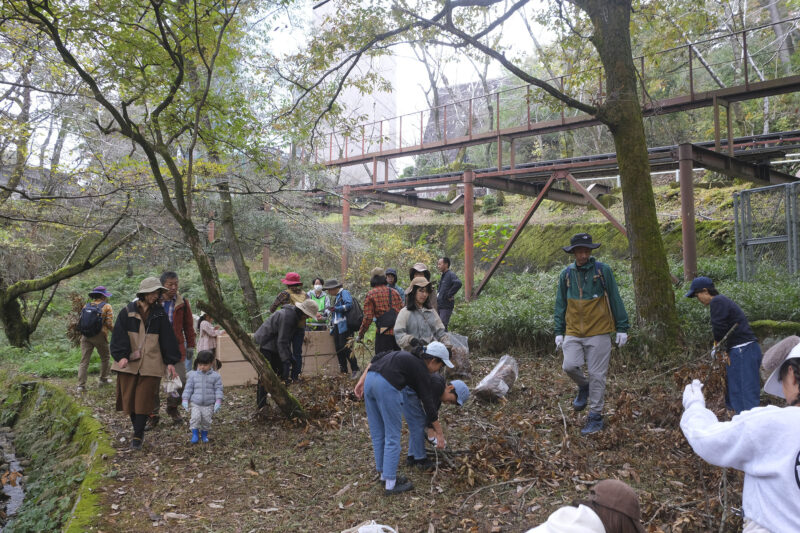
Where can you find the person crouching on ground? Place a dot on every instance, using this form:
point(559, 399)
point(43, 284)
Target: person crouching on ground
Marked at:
point(203, 392)
point(456, 393)
point(383, 395)
point(762, 442)
point(744, 352)
point(144, 347)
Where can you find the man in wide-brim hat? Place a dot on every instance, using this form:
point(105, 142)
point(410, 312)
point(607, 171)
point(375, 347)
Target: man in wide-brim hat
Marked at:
point(341, 303)
point(588, 309)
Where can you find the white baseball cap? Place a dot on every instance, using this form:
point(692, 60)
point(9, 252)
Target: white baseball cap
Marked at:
point(439, 350)
point(773, 385)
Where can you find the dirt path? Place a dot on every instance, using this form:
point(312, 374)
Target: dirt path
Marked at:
point(510, 465)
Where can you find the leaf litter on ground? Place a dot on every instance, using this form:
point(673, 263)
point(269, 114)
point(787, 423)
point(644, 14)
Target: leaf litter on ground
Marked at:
point(508, 464)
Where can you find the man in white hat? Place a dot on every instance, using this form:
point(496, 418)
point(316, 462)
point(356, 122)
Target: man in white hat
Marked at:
point(588, 309)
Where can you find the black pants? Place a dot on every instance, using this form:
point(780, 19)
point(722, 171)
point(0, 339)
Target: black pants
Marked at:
point(385, 343)
point(343, 352)
point(444, 315)
point(280, 368)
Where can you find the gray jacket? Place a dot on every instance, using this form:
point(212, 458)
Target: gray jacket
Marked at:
point(203, 388)
point(276, 333)
point(423, 324)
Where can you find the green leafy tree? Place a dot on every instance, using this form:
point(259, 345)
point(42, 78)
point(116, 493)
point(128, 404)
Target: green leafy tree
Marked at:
point(359, 30)
point(154, 68)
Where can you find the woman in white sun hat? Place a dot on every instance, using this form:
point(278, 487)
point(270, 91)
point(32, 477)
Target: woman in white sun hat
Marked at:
point(763, 442)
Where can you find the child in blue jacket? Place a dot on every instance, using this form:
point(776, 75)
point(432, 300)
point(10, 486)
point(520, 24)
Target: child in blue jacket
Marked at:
point(203, 391)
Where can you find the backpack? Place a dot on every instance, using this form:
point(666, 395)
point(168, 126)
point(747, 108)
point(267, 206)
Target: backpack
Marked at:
point(90, 322)
point(386, 321)
point(354, 316)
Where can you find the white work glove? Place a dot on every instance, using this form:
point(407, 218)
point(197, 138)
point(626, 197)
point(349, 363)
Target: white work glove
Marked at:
point(559, 341)
point(622, 338)
point(356, 338)
point(693, 394)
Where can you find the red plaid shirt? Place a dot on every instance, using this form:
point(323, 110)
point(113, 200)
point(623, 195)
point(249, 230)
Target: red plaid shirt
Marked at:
point(377, 303)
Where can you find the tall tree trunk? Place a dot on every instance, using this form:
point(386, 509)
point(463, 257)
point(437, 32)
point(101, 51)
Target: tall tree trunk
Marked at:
point(287, 403)
point(621, 112)
point(786, 49)
point(15, 325)
point(235, 250)
point(22, 138)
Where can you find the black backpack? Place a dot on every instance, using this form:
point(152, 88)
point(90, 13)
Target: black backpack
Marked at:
point(354, 316)
point(91, 320)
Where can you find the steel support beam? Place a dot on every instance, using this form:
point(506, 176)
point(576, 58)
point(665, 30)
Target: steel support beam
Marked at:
point(517, 232)
point(689, 235)
point(592, 200)
point(345, 229)
point(469, 234)
point(532, 189)
point(414, 201)
point(730, 166)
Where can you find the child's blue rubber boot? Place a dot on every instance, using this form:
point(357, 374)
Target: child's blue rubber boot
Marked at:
point(204, 435)
point(195, 436)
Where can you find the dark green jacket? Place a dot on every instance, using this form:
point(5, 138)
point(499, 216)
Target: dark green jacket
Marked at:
point(586, 278)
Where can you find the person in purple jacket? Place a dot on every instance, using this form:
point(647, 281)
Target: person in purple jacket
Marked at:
point(744, 352)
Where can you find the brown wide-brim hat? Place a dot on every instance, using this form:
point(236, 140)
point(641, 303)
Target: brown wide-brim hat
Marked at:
point(377, 271)
point(149, 285)
point(419, 282)
point(309, 307)
point(618, 496)
point(580, 240)
point(331, 284)
point(419, 267)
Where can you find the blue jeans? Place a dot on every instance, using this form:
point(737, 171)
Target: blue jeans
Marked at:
point(744, 380)
point(384, 405)
point(416, 420)
point(297, 353)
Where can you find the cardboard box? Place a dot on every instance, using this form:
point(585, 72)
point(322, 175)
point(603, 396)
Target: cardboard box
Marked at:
point(319, 354)
point(236, 370)
point(319, 358)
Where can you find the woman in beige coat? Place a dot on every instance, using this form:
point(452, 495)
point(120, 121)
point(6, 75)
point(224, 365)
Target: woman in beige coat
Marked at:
point(144, 348)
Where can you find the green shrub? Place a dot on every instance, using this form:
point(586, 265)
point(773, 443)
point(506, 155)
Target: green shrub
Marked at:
point(516, 310)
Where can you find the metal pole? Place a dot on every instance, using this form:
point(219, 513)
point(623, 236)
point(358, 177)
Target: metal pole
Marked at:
point(716, 124)
point(469, 235)
point(787, 200)
point(597, 205)
point(794, 241)
point(518, 231)
point(748, 234)
point(688, 231)
point(738, 236)
point(345, 228)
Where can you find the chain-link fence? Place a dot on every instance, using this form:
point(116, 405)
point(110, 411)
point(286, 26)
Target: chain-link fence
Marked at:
point(767, 232)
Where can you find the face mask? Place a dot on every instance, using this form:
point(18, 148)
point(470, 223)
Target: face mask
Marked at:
point(317, 288)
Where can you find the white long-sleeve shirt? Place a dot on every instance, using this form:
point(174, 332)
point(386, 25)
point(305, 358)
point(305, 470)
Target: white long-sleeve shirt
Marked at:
point(764, 443)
